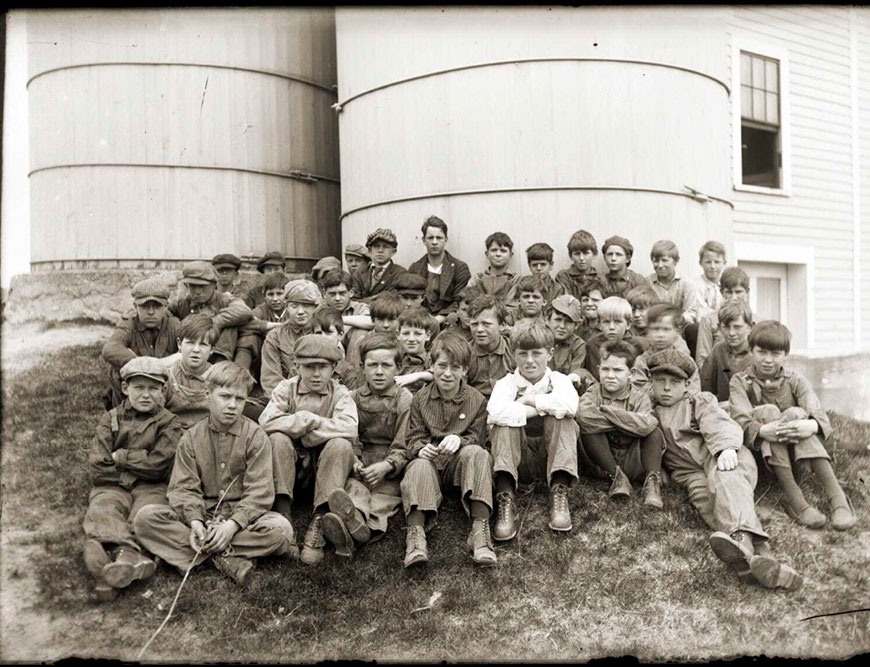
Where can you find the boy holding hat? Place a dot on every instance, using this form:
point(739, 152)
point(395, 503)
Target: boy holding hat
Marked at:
point(382, 274)
point(130, 459)
point(312, 418)
point(269, 263)
point(149, 330)
point(356, 256)
point(619, 279)
point(227, 267)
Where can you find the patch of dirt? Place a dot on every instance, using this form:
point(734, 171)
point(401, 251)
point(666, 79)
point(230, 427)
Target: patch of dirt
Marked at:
point(23, 345)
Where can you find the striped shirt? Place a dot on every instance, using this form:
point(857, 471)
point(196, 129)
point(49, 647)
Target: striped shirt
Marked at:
point(433, 417)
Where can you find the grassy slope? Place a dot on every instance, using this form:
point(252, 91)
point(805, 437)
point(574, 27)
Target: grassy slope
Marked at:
point(623, 582)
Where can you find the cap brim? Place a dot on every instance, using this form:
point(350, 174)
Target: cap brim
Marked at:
point(197, 281)
point(225, 265)
point(146, 299)
point(316, 359)
point(566, 314)
point(157, 378)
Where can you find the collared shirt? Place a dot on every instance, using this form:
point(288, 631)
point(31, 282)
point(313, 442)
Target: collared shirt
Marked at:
point(211, 462)
point(722, 364)
point(554, 395)
point(145, 443)
point(680, 293)
point(277, 358)
point(620, 284)
point(185, 394)
point(640, 375)
point(433, 417)
point(573, 279)
point(629, 411)
point(709, 296)
point(501, 286)
point(383, 425)
point(696, 427)
point(569, 356)
point(485, 368)
point(131, 339)
point(414, 363)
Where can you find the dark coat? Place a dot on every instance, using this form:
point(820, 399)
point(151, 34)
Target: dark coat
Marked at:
point(454, 276)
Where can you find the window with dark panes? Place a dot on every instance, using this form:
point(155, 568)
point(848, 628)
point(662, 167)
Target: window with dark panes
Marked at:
point(760, 120)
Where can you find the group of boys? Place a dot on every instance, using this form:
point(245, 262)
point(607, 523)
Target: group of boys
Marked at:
point(383, 388)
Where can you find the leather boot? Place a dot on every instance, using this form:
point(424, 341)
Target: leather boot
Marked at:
point(770, 573)
point(313, 543)
point(416, 551)
point(652, 491)
point(620, 489)
point(121, 572)
point(735, 549)
point(560, 514)
point(505, 524)
point(336, 532)
point(480, 541)
point(341, 505)
point(236, 568)
point(96, 558)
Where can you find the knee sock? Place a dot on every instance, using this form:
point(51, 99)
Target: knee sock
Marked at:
point(243, 358)
point(599, 451)
point(651, 452)
point(503, 482)
point(793, 494)
point(825, 474)
point(416, 518)
point(282, 504)
point(478, 510)
point(560, 477)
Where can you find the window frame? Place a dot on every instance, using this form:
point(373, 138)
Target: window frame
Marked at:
point(754, 46)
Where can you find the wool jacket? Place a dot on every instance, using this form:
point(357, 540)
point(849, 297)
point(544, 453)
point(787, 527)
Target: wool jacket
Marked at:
point(131, 339)
point(363, 288)
point(622, 284)
point(278, 355)
point(722, 364)
point(697, 427)
point(453, 278)
point(629, 411)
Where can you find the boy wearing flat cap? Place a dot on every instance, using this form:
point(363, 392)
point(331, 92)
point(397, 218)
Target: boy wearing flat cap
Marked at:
point(619, 279)
point(382, 274)
point(356, 256)
point(312, 422)
point(130, 461)
point(320, 269)
point(149, 330)
point(227, 312)
point(704, 453)
point(271, 262)
point(227, 266)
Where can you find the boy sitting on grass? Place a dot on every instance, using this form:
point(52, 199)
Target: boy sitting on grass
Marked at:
point(665, 324)
point(415, 326)
point(185, 390)
point(614, 320)
point(328, 322)
point(267, 316)
point(220, 491)
point(569, 350)
point(533, 432)
point(540, 258)
point(734, 284)
point(618, 431)
point(311, 421)
point(582, 249)
point(729, 356)
point(497, 280)
point(591, 294)
point(491, 355)
point(129, 462)
point(371, 495)
point(619, 279)
point(444, 449)
point(781, 415)
point(704, 454)
point(302, 298)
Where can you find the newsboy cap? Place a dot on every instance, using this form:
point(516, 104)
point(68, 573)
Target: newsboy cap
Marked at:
point(622, 242)
point(385, 235)
point(150, 289)
point(226, 259)
point(323, 265)
point(274, 257)
point(671, 362)
point(317, 347)
point(357, 250)
point(410, 283)
point(568, 305)
point(149, 367)
point(302, 291)
point(198, 273)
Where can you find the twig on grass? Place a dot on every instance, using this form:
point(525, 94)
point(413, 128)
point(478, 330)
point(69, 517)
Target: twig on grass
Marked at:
point(520, 527)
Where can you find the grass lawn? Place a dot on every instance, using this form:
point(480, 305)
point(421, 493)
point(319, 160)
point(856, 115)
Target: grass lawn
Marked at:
point(622, 582)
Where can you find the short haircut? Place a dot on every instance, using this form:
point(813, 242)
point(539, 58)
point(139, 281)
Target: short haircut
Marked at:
point(416, 317)
point(452, 346)
point(591, 285)
point(499, 238)
point(376, 340)
point(197, 326)
point(712, 246)
point(665, 248)
point(732, 310)
point(275, 280)
point(334, 278)
point(662, 310)
point(326, 317)
point(733, 276)
point(386, 306)
point(770, 335)
point(489, 302)
point(539, 251)
point(582, 240)
point(531, 336)
point(531, 284)
point(621, 349)
point(614, 308)
point(642, 296)
point(228, 374)
point(468, 293)
point(434, 221)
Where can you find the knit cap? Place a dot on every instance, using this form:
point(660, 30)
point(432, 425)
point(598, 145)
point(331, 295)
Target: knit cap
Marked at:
point(622, 242)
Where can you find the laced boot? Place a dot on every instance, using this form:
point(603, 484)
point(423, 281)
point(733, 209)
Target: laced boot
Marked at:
point(505, 524)
point(770, 573)
point(652, 491)
point(620, 488)
point(416, 551)
point(341, 505)
point(480, 541)
point(121, 572)
point(560, 514)
point(235, 567)
point(96, 558)
point(336, 532)
point(313, 543)
point(735, 549)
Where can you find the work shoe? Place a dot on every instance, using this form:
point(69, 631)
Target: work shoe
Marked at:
point(313, 543)
point(480, 541)
point(121, 571)
point(652, 491)
point(336, 532)
point(735, 549)
point(770, 573)
point(416, 551)
point(843, 516)
point(620, 489)
point(96, 558)
point(809, 516)
point(560, 515)
point(235, 567)
point(505, 523)
point(341, 505)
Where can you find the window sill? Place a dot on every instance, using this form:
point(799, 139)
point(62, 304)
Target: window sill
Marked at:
point(760, 190)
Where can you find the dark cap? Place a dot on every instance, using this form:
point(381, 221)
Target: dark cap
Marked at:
point(226, 259)
point(198, 273)
point(275, 257)
point(622, 242)
point(317, 347)
point(385, 235)
point(410, 283)
point(150, 289)
point(672, 362)
point(323, 265)
point(149, 367)
point(357, 250)
point(568, 305)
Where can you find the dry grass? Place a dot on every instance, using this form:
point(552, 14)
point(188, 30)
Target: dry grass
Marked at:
point(624, 582)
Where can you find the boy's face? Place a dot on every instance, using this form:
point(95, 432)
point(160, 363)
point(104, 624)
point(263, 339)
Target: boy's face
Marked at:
point(354, 262)
point(274, 299)
point(145, 394)
point(712, 263)
point(299, 314)
point(766, 362)
point(531, 303)
point(664, 266)
point(413, 339)
point(201, 294)
point(736, 332)
point(411, 299)
point(225, 404)
point(582, 259)
point(462, 314)
point(662, 333)
point(561, 326)
point(590, 304)
point(381, 252)
point(315, 373)
point(435, 241)
point(338, 297)
point(332, 333)
point(226, 276)
point(540, 267)
point(614, 373)
point(738, 292)
point(498, 256)
point(486, 329)
point(380, 369)
point(532, 364)
point(151, 314)
point(667, 389)
point(613, 329)
point(386, 324)
point(194, 353)
point(447, 375)
point(272, 268)
point(638, 317)
point(615, 258)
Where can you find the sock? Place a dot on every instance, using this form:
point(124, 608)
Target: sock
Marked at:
point(599, 451)
point(825, 474)
point(793, 494)
point(416, 518)
point(282, 504)
point(651, 452)
point(503, 482)
point(478, 510)
point(560, 477)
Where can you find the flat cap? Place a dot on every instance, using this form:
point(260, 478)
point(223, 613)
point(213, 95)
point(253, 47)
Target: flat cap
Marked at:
point(198, 273)
point(381, 234)
point(226, 259)
point(302, 291)
point(671, 362)
point(149, 367)
point(357, 250)
point(622, 242)
point(325, 264)
point(568, 305)
point(317, 347)
point(410, 282)
point(274, 257)
point(150, 289)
